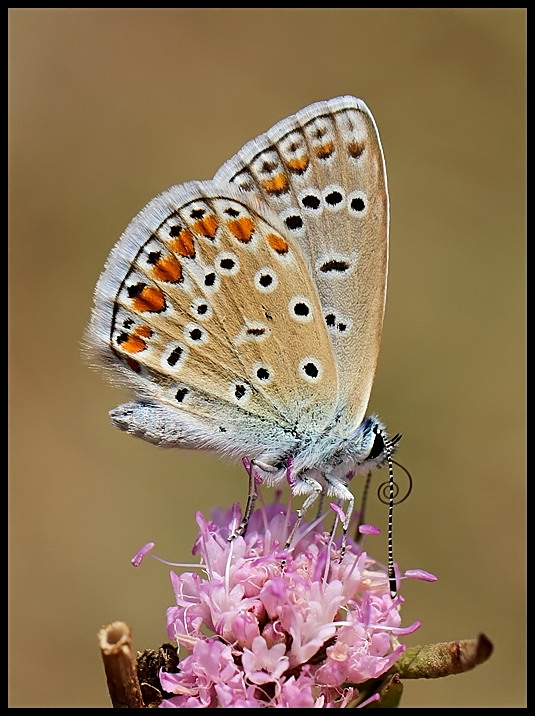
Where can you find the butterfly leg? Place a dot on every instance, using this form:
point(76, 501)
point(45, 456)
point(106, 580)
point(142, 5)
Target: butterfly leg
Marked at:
point(251, 499)
point(308, 485)
point(344, 495)
point(252, 495)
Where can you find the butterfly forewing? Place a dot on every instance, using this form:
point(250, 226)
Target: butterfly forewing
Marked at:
point(322, 170)
point(207, 306)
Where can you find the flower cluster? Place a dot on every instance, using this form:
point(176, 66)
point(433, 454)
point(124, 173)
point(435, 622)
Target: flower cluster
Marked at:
point(270, 626)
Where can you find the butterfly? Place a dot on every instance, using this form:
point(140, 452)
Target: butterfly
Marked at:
point(246, 312)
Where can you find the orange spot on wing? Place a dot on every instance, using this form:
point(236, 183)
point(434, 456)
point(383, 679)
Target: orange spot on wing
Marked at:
point(132, 344)
point(183, 244)
point(355, 149)
point(207, 226)
point(323, 151)
point(277, 184)
point(277, 243)
point(242, 228)
point(168, 269)
point(150, 298)
point(143, 331)
point(298, 165)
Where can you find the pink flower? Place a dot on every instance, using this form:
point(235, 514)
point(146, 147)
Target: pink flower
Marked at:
point(267, 626)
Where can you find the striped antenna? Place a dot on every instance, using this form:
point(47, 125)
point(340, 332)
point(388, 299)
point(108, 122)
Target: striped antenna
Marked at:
point(391, 486)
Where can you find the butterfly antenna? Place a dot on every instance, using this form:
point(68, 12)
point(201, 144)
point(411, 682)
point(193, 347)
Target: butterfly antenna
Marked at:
point(391, 491)
point(409, 478)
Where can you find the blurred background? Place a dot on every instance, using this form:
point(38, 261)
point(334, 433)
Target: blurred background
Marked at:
point(109, 107)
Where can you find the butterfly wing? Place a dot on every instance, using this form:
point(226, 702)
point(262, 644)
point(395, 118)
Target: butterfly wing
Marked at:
point(207, 309)
point(323, 171)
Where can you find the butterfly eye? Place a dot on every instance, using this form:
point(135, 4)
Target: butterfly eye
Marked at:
point(378, 446)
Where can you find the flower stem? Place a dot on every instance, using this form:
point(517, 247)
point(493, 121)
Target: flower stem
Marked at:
point(115, 641)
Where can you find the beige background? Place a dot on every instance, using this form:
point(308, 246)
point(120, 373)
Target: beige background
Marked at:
point(109, 107)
